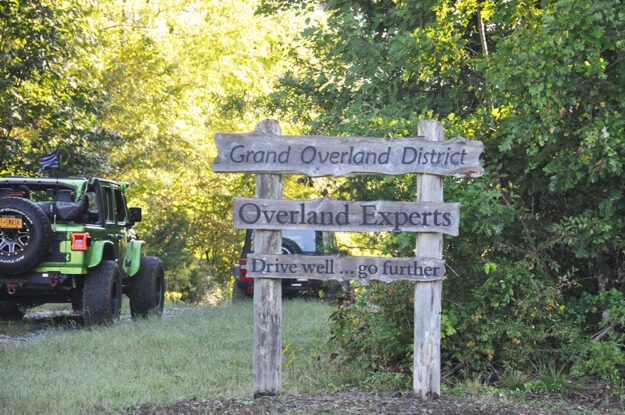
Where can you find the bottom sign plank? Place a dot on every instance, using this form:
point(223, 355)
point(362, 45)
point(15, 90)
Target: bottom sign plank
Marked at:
point(341, 268)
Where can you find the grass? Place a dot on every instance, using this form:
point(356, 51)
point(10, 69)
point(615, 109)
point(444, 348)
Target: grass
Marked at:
point(201, 352)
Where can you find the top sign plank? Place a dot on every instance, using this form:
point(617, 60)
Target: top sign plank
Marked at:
point(345, 156)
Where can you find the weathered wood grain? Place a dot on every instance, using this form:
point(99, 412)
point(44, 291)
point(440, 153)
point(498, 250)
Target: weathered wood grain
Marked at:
point(267, 361)
point(343, 268)
point(345, 156)
point(427, 297)
point(335, 215)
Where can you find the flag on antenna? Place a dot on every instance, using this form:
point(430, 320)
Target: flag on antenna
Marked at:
point(50, 161)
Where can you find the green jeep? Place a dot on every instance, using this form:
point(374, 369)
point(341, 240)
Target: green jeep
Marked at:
point(71, 241)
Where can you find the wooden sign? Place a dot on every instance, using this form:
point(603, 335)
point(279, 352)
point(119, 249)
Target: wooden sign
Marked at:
point(363, 269)
point(335, 215)
point(266, 152)
point(345, 156)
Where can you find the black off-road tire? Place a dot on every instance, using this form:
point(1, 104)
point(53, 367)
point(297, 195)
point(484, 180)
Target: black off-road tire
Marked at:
point(289, 247)
point(147, 289)
point(11, 311)
point(102, 294)
point(22, 249)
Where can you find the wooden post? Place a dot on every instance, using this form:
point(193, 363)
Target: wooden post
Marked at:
point(427, 296)
point(267, 368)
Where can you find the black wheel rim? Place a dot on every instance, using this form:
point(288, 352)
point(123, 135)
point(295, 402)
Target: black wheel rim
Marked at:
point(13, 242)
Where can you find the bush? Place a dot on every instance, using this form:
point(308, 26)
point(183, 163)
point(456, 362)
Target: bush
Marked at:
point(541, 234)
point(513, 324)
point(375, 332)
point(602, 352)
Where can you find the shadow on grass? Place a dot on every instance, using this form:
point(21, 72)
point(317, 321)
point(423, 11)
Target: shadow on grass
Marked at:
point(38, 324)
point(49, 319)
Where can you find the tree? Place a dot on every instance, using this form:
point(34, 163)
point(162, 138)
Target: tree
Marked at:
point(175, 73)
point(135, 91)
point(538, 83)
point(49, 87)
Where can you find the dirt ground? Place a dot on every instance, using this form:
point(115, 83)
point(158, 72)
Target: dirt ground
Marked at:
point(352, 403)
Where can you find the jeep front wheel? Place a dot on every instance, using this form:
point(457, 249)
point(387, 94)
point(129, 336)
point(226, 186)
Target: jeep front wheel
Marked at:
point(102, 294)
point(147, 289)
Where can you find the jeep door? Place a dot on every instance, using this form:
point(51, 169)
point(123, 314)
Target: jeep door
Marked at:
point(115, 219)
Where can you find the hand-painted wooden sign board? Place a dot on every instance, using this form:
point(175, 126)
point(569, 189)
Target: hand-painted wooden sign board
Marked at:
point(335, 215)
point(363, 269)
point(345, 156)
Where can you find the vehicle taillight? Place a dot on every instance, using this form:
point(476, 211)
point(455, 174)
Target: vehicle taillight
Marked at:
point(243, 271)
point(80, 241)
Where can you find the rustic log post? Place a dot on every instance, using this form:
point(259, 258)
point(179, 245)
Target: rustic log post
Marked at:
point(267, 367)
point(427, 295)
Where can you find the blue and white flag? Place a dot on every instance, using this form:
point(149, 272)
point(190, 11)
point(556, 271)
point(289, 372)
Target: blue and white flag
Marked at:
point(51, 161)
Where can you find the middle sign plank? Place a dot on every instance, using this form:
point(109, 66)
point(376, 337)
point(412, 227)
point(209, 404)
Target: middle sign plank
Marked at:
point(335, 215)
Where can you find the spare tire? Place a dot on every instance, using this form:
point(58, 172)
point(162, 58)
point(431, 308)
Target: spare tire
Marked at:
point(25, 235)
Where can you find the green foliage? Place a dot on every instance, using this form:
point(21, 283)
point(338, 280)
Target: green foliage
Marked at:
point(175, 75)
point(375, 333)
point(50, 93)
point(604, 356)
point(542, 231)
point(135, 91)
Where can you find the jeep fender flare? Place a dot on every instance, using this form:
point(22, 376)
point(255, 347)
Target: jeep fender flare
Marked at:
point(132, 259)
point(98, 251)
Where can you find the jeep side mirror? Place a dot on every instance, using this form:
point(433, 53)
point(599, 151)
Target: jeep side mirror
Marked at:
point(134, 214)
